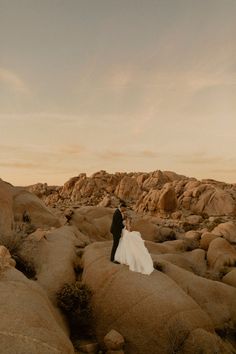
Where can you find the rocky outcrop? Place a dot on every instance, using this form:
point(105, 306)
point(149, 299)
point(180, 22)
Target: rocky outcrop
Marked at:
point(220, 254)
point(189, 229)
point(155, 192)
point(137, 306)
point(26, 203)
point(93, 222)
point(208, 198)
point(28, 320)
point(230, 278)
point(168, 200)
point(5, 259)
point(128, 189)
point(226, 230)
point(206, 239)
point(6, 205)
point(53, 250)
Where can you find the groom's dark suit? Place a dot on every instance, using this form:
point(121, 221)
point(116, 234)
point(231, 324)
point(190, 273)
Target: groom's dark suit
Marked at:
point(116, 228)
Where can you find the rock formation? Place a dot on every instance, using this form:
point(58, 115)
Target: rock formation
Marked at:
point(29, 323)
point(154, 193)
point(57, 235)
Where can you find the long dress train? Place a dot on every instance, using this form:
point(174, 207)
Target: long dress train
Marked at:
point(132, 252)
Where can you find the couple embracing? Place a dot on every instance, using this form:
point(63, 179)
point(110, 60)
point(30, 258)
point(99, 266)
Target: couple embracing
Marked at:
point(128, 246)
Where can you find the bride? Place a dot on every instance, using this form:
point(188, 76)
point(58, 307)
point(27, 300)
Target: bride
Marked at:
point(132, 251)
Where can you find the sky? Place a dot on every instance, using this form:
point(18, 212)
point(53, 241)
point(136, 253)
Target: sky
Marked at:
point(117, 85)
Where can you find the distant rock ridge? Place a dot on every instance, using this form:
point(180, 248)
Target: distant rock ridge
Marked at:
point(145, 192)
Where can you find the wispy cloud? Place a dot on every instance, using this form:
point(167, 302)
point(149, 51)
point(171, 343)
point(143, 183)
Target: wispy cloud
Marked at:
point(48, 118)
point(13, 80)
point(225, 171)
point(71, 150)
point(210, 162)
point(200, 159)
point(42, 150)
point(20, 165)
point(112, 154)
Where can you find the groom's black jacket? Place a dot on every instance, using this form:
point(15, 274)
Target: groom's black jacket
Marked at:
point(117, 224)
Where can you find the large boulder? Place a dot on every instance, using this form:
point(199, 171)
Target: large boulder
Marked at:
point(230, 278)
point(155, 179)
point(94, 222)
point(39, 215)
point(28, 320)
point(5, 259)
point(128, 189)
point(148, 230)
point(146, 310)
point(6, 205)
point(148, 201)
point(211, 343)
point(216, 299)
point(226, 230)
point(215, 201)
point(220, 254)
point(193, 261)
point(53, 255)
point(206, 239)
point(168, 200)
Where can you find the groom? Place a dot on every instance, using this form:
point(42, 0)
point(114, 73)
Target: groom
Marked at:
point(116, 228)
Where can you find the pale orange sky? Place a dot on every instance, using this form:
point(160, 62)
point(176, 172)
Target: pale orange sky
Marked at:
point(126, 85)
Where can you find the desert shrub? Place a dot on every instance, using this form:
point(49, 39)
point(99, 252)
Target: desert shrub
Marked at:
point(75, 300)
point(189, 245)
point(226, 331)
point(166, 234)
point(14, 243)
point(158, 266)
point(25, 267)
point(204, 215)
point(223, 271)
point(178, 332)
point(76, 296)
point(24, 229)
point(171, 236)
point(187, 226)
point(212, 275)
point(219, 274)
point(211, 225)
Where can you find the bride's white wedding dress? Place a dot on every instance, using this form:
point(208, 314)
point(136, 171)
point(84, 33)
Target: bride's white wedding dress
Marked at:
point(132, 252)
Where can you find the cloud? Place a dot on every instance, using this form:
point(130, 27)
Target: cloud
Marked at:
point(200, 159)
point(112, 154)
point(225, 170)
point(47, 118)
point(13, 81)
point(42, 153)
point(71, 150)
point(20, 165)
point(120, 78)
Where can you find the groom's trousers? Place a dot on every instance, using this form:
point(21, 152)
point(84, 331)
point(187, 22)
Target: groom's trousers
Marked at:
point(116, 239)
